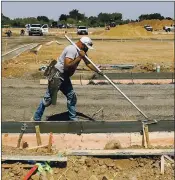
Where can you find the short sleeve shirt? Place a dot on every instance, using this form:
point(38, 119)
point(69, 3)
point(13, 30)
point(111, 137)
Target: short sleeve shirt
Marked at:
point(69, 52)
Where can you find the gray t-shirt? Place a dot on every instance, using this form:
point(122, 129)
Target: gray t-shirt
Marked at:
point(69, 52)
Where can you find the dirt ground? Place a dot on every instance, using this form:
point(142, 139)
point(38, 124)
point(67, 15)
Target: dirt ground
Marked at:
point(88, 168)
point(20, 99)
point(144, 55)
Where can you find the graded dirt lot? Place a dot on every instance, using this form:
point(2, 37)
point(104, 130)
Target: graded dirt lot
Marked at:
point(138, 53)
point(22, 96)
point(20, 99)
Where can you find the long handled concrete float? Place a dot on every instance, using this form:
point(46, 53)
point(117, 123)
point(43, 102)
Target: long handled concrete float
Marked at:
point(101, 73)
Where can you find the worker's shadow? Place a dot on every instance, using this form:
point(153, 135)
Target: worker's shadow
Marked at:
point(64, 117)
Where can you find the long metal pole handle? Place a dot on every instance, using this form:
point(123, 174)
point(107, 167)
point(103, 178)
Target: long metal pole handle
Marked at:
point(107, 78)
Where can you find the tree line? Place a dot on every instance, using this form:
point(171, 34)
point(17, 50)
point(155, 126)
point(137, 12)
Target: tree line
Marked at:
point(76, 18)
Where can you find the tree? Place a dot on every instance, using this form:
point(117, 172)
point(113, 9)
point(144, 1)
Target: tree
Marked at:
point(4, 20)
point(93, 21)
point(74, 14)
point(108, 17)
point(116, 16)
point(150, 16)
point(168, 18)
point(43, 18)
point(71, 21)
point(104, 17)
point(63, 17)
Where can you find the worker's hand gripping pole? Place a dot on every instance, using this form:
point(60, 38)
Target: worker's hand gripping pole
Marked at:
point(100, 72)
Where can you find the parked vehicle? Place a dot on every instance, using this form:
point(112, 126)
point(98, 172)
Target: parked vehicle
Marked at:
point(148, 28)
point(37, 29)
point(169, 28)
point(112, 24)
point(82, 30)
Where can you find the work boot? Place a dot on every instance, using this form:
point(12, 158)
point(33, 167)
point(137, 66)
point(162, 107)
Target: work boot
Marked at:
point(32, 119)
point(74, 119)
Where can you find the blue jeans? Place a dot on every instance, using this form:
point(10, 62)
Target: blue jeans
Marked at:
point(65, 86)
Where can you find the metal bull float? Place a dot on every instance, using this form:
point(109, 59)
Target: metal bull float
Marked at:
point(112, 83)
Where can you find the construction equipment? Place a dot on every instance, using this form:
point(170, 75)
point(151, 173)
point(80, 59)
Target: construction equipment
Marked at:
point(101, 73)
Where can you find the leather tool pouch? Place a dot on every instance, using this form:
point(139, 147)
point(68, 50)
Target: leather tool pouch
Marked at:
point(49, 68)
point(55, 80)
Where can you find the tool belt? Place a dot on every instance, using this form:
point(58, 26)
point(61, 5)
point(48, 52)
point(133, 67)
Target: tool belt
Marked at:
point(49, 68)
point(55, 79)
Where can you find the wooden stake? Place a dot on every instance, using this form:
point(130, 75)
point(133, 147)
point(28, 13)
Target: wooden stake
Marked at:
point(170, 159)
point(38, 137)
point(80, 80)
point(162, 164)
point(5, 46)
point(144, 143)
point(147, 135)
point(36, 147)
point(50, 142)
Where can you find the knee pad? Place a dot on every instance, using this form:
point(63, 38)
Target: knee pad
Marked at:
point(47, 102)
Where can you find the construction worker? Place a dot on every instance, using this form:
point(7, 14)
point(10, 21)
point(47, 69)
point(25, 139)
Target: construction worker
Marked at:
point(59, 77)
point(22, 32)
point(9, 33)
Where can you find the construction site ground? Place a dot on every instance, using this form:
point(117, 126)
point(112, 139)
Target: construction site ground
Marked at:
point(87, 168)
point(21, 94)
point(21, 98)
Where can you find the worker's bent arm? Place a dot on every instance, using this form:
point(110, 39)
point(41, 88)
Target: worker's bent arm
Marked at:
point(89, 65)
point(70, 63)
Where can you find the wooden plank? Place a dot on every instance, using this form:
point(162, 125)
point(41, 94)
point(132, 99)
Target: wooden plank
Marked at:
point(38, 137)
point(33, 158)
point(50, 142)
point(122, 81)
point(36, 147)
point(167, 157)
point(43, 82)
point(144, 142)
point(162, 164)
point(121, 152)
point(147, 136)
point(6, 166)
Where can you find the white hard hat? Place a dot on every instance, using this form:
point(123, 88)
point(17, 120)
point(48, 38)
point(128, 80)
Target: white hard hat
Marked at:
point(87, 41)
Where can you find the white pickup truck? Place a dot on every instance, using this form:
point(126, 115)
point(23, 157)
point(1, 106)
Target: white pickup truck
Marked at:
point(169, 28)
point(37, 29)
point(81, 30)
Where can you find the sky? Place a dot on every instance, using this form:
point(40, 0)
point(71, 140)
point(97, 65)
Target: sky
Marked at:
point(53, 10)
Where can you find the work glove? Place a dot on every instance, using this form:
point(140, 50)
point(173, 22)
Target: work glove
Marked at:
point(82, 54)
point(100, 73)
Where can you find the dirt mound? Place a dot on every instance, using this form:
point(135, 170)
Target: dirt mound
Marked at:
point(137, 29)
point(155, 23)
point(128, 30)
point(91, 168)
